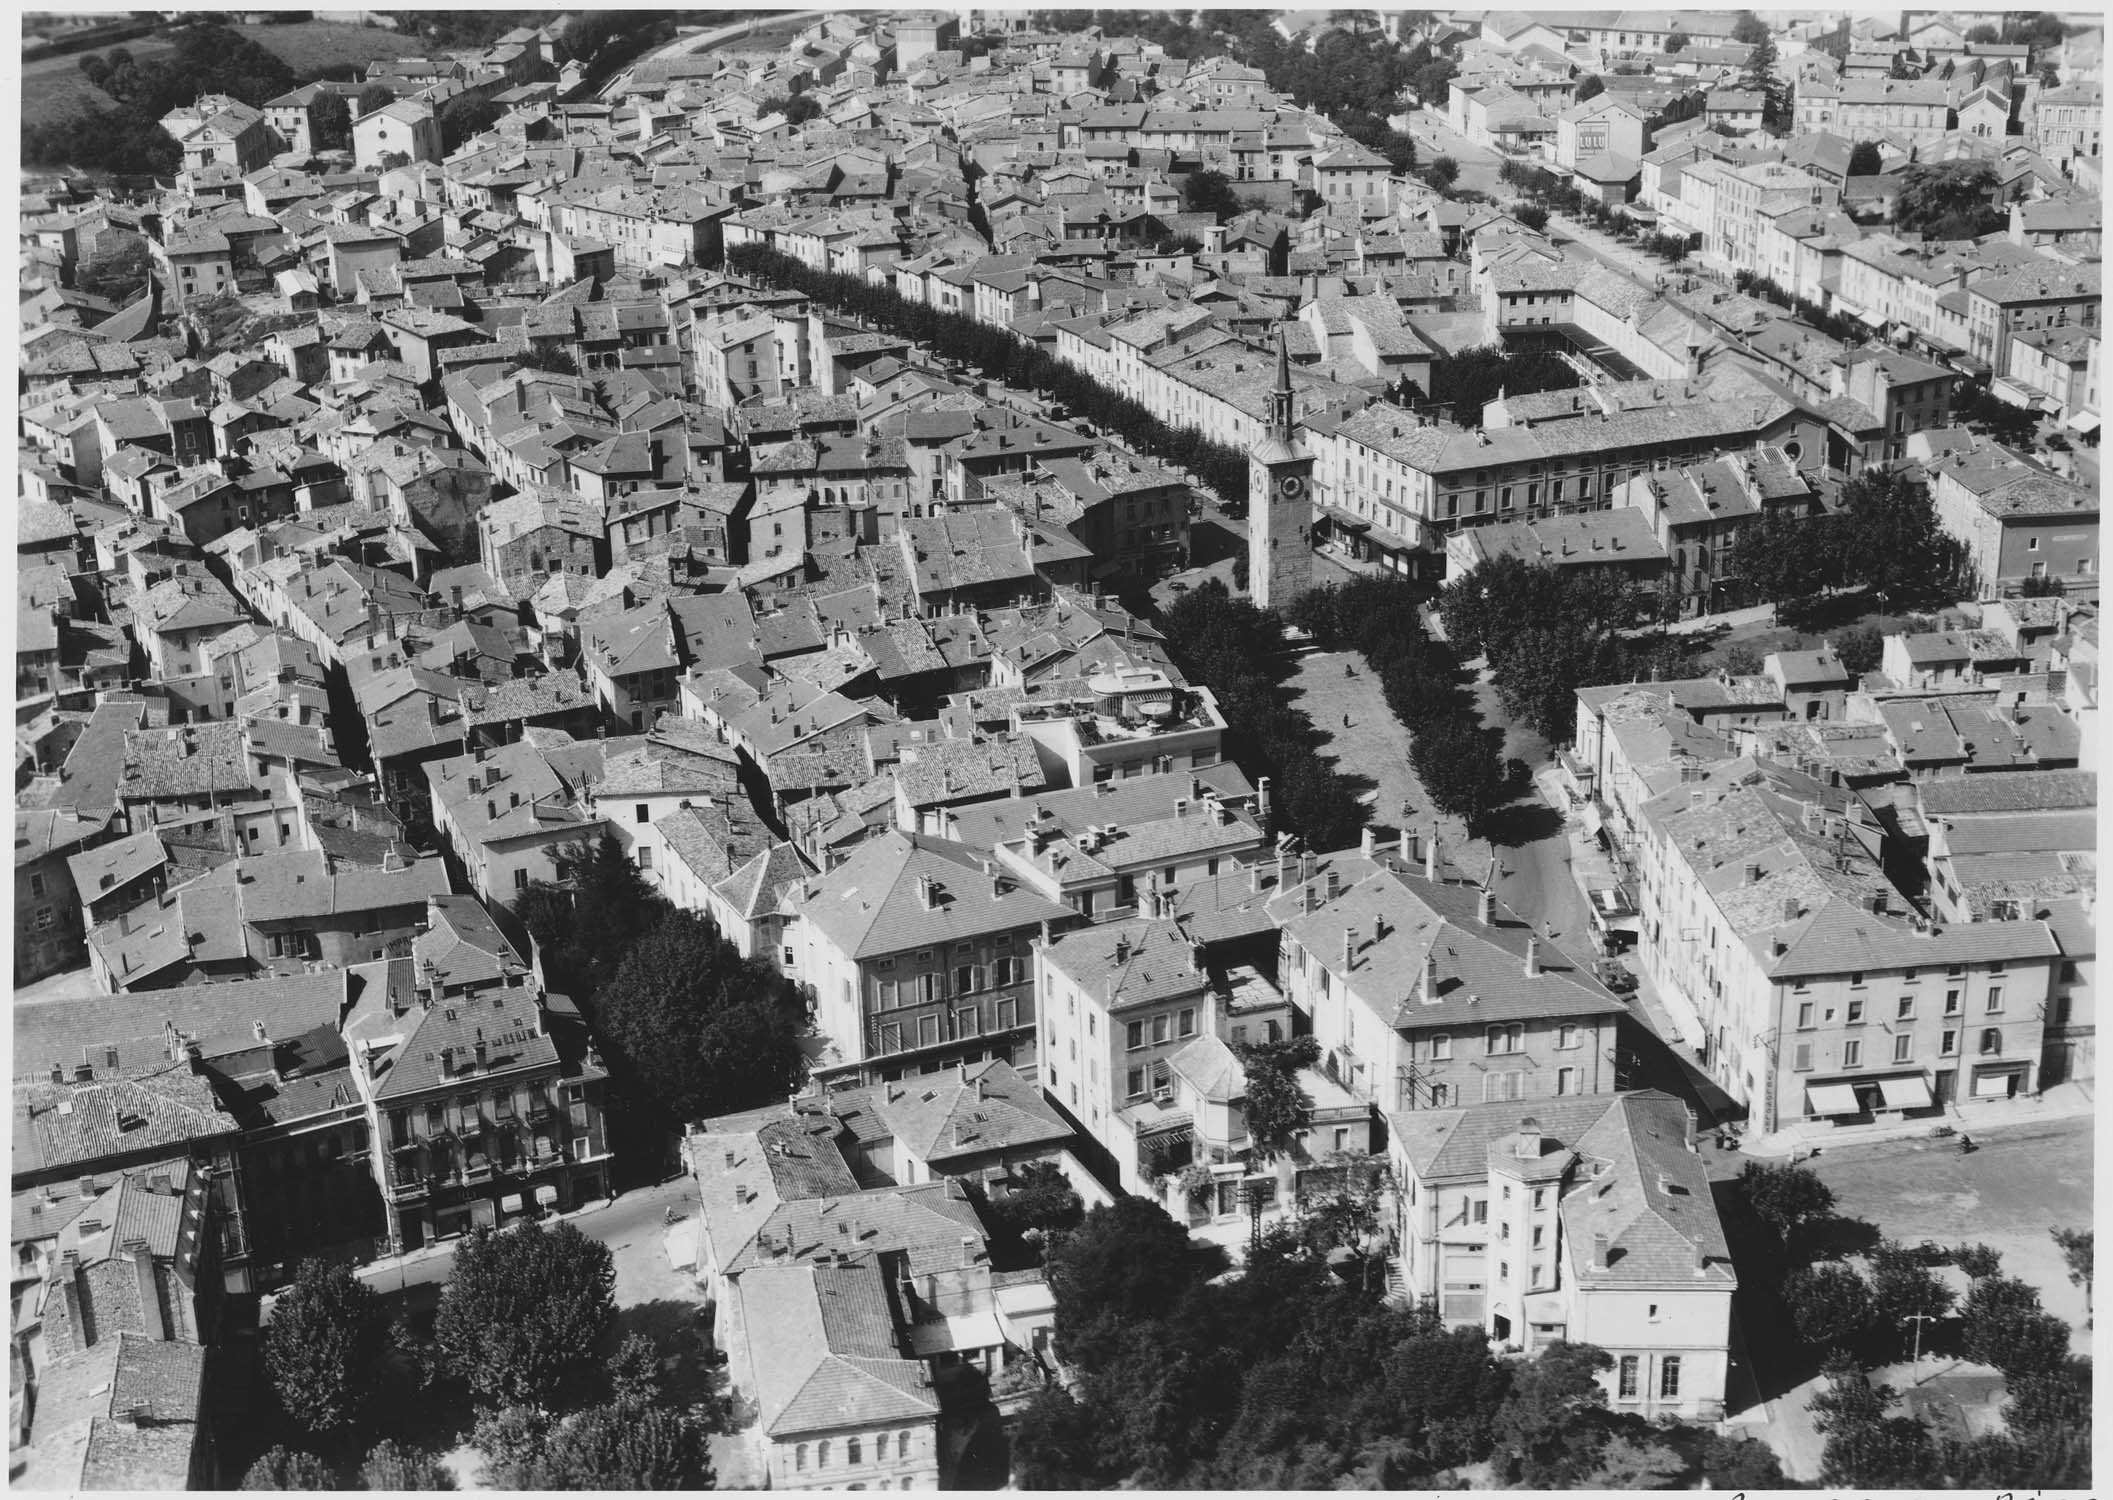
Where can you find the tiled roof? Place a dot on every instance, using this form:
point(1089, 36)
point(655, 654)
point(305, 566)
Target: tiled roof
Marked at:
point(814, 1371)
point(876, 902)
point(61, 1127)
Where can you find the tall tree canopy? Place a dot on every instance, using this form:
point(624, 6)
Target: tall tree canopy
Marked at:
point(326, 1336)
point(522, 1310)
point(1277, 1108)
point(704, 1029)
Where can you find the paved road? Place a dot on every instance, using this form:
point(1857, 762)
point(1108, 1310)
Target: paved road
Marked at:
point(696, 41)
point(1479, 165)
point(621, 1225)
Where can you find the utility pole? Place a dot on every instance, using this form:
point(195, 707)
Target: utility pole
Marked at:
point(1918, 1319)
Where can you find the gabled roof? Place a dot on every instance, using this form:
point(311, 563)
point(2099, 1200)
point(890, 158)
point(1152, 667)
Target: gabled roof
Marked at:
point(905, 891)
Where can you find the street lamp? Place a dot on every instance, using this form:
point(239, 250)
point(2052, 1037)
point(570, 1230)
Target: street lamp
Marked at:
point(1918, 1319)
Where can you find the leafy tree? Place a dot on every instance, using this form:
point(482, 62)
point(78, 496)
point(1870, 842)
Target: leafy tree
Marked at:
point(706, 1030)
point(327, 1332)
point(1787, 1197)
point(371, 98)
point(1591, 86)
point(1041, 1198)
point(1058, 1444)
point(1534, 1428)
point(1740, 1463)
point(1433, 81)
point(1675, 43)
point(119, 268)
point(1895, 544)
point(1902, 1289)
point(1830, 1304)
point(2077, 1250)
point(1860, 648)
point(1276, 1107)
point(2002, 1324)
point(1533, 216)
point(1748, 30)
point(1865, 159)
point(1948, 200)
point(391, 1466)
point(94, 68)
point(1983, 411)
point(1540, 670)
point(1442, 173)
point(586, 923)
point(1209, 192)
point(1866, 1448)
point(464, 118)
point(799, 109)
point(1126, 1263)
point(619, 1446)
point(2050, 1402)
point(1977, 1261)
point(289, 1469)
point(330, 122)
point(1454, 759)
point(2046, 586)
point(522, 1310)
point(634, 1370)
point(1983, 34)
point(1627, 1462)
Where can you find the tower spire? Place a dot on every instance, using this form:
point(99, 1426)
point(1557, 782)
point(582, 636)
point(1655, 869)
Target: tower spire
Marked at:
point(1280, 398)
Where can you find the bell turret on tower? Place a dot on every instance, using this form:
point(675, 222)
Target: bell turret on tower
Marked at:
point(1280, 502)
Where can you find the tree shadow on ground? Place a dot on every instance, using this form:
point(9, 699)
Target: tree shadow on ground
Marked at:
point(680, 1333)
point(1777, 1362)
point(1527, 821)
point(1836, 1238)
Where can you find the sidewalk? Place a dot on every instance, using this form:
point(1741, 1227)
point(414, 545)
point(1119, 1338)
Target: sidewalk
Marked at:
point(2058, 1105)
point(675, 1190)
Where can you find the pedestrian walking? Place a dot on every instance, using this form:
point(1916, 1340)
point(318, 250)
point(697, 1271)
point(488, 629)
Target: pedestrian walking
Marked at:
point(1346, 721)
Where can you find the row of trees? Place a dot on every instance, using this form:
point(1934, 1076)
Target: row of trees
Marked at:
point(1001, 356)
point(692, 1028)
point(1884, 537)
point(516, 1329)
point(1465, 381)
point(1455, 756)
point(1548, 631)
point(1292, 1377)
point(1835, 326)
point(1237, 649)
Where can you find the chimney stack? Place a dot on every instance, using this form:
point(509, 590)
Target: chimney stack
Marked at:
point(1533, 958)
point(1529, 1139)
point(1486, 907)
point(1262, 798)
point(1430, 859)
point(1599, 1252)
point(1349, 949)
point(1430, 976)
point(1367, 842)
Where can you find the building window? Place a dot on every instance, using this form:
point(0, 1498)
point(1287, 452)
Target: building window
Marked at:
point(799, 1456)
point(1995, 999)
point(1949, 1044)
point(1441, 1096)
point(1159, 1028)
point(1566, 1080)
point(1903, 1045)
point(1137, 1083)
point(1566, 1036)
point(1852, 1053)
point(1951, 1002)
point(1804, 1015)
point(821, 1454)
point(1905, 1011)
point(1134, 1035)
point(1626, 1390)
point(1441, 1047)
point(853, 1451)
point(1991, 1041)
point(1188, 1022)
point(1669, 1378)
point(1856, 1013)
point(1801, 1058)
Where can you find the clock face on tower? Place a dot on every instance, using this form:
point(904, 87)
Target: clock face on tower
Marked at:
point(1291, 486)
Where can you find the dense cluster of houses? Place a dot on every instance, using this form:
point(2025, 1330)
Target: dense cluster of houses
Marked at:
point(431, 514)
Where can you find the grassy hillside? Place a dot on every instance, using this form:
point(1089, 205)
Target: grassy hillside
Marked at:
point(53, 88)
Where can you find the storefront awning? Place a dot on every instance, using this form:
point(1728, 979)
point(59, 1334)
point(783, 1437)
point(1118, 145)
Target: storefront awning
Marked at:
point(1830, 1099)
point(976, 1330)
point(1905, 1093)
point(1593, 821)
point(510, 1204)
point(483, 1212)
point(547, 1194)
point(2082, 421)
point(1994, 1085)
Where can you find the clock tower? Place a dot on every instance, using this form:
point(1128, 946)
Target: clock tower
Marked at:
point(1280, 504)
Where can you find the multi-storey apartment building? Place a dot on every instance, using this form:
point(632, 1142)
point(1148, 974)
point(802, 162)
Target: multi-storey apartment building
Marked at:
point(917, 951)
point(476, 1118)
point(1916, 111)
point(1424, 993)
point(1822, 993)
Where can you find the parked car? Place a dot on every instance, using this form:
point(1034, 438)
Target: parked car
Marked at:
point(1615, 976)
